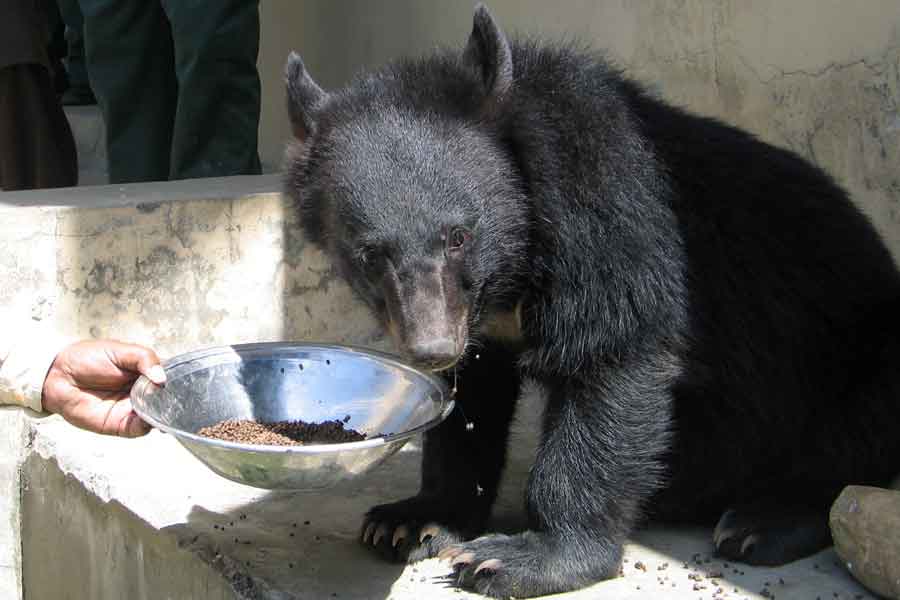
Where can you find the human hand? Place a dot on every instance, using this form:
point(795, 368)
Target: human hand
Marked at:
point(89, 382)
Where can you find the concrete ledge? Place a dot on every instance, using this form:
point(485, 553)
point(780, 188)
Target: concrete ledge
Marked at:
point(146, 195)
point(89, 132)
point(188, 264)
point(106, 518)
point(178, 265)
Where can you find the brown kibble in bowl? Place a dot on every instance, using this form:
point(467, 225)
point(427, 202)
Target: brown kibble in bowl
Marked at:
point(281, 433)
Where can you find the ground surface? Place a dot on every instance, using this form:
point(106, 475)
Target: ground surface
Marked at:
point(294, 545)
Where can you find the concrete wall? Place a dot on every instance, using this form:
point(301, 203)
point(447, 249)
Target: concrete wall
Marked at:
point(821, 77)
point(99, 550)
point(175, 265)
point(221, 262)
point(12, 454)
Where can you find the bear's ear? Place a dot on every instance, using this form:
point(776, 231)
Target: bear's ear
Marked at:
point(304, 97)
point(488, 53)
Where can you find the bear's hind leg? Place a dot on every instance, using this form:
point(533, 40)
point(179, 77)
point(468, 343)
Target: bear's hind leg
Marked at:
point(851, 438)
point(772, 531)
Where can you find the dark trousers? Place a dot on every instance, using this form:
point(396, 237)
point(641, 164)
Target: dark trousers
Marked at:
point(37, 149)
point(177, 86)
point(70, 12)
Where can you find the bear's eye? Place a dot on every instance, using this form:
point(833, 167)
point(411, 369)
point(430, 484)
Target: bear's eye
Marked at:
point(368, 255)
point(458, 238)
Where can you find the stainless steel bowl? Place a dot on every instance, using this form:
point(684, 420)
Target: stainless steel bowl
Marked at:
point(288, 381)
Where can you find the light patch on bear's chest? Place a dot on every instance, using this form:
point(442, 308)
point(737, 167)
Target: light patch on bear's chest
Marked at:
point(504, 326)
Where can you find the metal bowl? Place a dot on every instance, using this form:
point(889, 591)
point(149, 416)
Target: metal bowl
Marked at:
point(381, 396)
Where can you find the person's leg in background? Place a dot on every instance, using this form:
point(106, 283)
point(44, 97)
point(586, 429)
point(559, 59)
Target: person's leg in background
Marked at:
point(36, 145)
point(78, 92)
point(56, 43)
point(37, 149)
point(217, 121)
point(129, 55)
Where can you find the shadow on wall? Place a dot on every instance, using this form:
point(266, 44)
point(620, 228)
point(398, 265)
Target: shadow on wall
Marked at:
point(317, 305)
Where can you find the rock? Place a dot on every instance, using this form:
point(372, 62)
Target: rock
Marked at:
point(865, 525)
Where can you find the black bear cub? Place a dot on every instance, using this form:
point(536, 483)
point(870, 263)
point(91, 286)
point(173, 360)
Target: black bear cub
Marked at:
point(713, 323)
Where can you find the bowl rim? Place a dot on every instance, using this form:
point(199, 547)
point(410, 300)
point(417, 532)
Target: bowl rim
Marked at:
point(142, 384)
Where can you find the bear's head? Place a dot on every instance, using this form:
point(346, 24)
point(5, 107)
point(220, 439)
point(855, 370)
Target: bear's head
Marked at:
point(405, 180)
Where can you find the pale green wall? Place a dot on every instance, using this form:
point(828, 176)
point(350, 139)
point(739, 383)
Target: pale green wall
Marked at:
point(819, 76)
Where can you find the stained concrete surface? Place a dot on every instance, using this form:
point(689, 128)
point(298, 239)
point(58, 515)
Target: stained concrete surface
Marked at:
point(111, 518)
point(223, 264)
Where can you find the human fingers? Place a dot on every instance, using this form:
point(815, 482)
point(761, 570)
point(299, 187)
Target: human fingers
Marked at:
point(137, 359)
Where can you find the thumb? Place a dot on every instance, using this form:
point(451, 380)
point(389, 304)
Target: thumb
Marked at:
point(140, 359)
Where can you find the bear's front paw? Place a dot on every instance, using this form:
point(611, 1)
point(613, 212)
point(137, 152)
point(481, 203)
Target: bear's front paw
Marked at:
point(417, 528)
point(523, 565)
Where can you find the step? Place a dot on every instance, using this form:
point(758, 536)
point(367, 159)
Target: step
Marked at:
point(89, 132)
point(90, 143)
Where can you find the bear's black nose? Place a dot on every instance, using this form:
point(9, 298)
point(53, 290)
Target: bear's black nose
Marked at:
point(435, 354)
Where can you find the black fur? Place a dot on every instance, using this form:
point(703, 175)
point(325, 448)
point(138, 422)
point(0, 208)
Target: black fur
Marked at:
point(711, 318)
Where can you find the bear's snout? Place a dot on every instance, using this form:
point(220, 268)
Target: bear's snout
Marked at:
point(427, 313)
point(435, 354)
